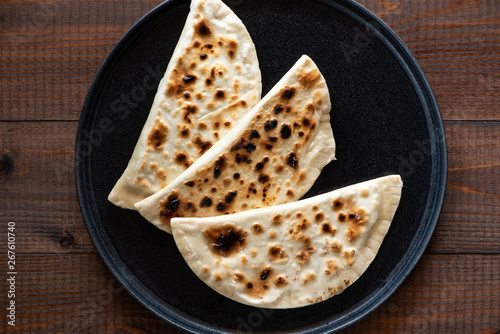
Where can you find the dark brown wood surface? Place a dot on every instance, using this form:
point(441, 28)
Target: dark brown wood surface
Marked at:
point(49, 54)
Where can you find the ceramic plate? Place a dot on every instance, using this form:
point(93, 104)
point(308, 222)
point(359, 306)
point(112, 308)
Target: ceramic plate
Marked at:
point(384, 118)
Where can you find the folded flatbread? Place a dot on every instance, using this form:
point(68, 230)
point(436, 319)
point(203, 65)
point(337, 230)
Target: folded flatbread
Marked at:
point(211, 81)
point(294, 254)
point(272, 156)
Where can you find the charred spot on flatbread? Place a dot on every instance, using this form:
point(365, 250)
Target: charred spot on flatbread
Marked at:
point(225, 240)
point(257, 228)
point(232, 47)
point(169, 206)
point(182, 158)
point(202, 28)
point(328, 229)
point(291, 159)
point(158, 135)
point(188, 111)
point(309, 78)
point(280, 281)
point(265, 273)
point(287, 93)
point(318, 217)
point(285, 131)
point(357, 219)
point(200, 144)
point(219, 94)
point(277, 253)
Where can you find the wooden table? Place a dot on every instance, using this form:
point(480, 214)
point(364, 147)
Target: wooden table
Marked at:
point(49, 53)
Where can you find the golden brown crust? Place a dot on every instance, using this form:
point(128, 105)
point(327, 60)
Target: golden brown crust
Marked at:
point(309, 262)
point(269, 159)
point(213, 78)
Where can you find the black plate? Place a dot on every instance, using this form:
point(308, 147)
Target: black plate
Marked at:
point(384, 117)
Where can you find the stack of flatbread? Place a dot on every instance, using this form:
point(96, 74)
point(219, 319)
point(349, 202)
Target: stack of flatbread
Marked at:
point(224, 171)
point(211, 81)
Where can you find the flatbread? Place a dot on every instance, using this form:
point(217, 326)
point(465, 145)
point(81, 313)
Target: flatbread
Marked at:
point(272, 156)
point(294, 254)
point(211, 81)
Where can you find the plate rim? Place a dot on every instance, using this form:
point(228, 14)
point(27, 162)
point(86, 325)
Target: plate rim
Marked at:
point(419, 242)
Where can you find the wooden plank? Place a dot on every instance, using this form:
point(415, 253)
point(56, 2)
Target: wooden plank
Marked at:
point(75, 293)
point(40, 193)
point(444, 294)
point(470, 217)
point(456, 44)
point(37, 186)
point(50, 52)
point(69, 293)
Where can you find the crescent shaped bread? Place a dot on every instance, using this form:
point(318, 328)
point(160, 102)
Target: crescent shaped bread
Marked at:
point(272, 156)
point(211, 81)
point(294, 254)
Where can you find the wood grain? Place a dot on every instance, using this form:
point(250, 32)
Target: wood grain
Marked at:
point(456, 44)
point(444, 294)
point(38, 188)
point(70, 293)
point(469, 220)
point(50, 51)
